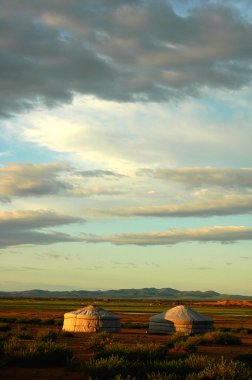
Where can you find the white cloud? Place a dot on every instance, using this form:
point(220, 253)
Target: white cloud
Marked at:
point(110, 136)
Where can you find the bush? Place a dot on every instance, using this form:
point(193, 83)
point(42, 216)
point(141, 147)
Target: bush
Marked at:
point(24, 335)
point(242, 330)
point(118, 362)
point(5, 328)
point(47, 335)
point(48, 321)
point(99, 340)
point(175, 338)
point(187, 346)
point(7, 320)
point(222, 370)
point(219, 337)
point(245, 358)
point(33, 321)
point(35, 354)
point(132, 325)
point(67, 334)
point(58, 322)
point(214, 337)
point(138, 352)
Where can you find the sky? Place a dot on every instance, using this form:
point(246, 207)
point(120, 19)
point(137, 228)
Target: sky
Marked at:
point(125, 145)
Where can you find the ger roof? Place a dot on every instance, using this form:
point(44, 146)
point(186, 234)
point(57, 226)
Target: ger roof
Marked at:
point(92, 311)
point(181, 313)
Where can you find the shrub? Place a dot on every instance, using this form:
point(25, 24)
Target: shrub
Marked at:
point(47, 335)
point(58, 322)
point(194, 367)
point(33, 321)
point(24, 335)
point(138, 352)
point(5, 328)
point(243, 330)
point(173, 339)
point(105, 368)
point(214, 337)
point(1, 348)
point(7, 320)
point(186, 345)
point(132, 325)
point(224, 329)
point(22, 328)
point(48, 321)
point(223, 370)
point(162, 376)
point(99, 340)
point(16, 353)
point(245, 358)
point(218, 337)
point(67, 334)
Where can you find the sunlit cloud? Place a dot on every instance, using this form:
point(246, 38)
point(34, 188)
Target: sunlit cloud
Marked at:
point(229, 234)
point(28, 179)
point(223, 205)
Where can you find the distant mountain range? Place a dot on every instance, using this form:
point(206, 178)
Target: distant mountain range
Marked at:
point(145, 293)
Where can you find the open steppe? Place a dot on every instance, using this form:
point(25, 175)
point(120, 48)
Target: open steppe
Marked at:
point(37, 315)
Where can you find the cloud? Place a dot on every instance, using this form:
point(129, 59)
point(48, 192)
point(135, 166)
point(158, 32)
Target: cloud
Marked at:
point(97, 173)
point(27, 179)
point(221, 205)
point(21, 269)
point(36, 180)
point(125, 51)
point(52, 255)
point(210, 176)
point(229, 234)
point(30, 227)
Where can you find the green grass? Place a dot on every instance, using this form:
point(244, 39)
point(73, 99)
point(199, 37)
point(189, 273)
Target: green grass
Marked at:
point(115, 306)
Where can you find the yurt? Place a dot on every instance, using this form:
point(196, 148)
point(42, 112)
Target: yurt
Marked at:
point(91, 319)
point(181, 319)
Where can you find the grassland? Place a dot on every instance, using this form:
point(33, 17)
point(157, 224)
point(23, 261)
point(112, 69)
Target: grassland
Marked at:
point(30, 323)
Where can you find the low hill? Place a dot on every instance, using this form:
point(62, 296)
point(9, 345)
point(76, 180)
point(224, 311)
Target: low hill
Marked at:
point(145, 293)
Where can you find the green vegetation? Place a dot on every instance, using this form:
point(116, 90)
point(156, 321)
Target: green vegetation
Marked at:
point(144, 362)
point(127, 306)
point(35, 354)
point(215, 337)
point(45, 335)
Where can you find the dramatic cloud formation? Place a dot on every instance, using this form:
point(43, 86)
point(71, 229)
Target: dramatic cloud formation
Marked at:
point(228, 234)
point(126, 51)
point(22, 227)
point(135, 115)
